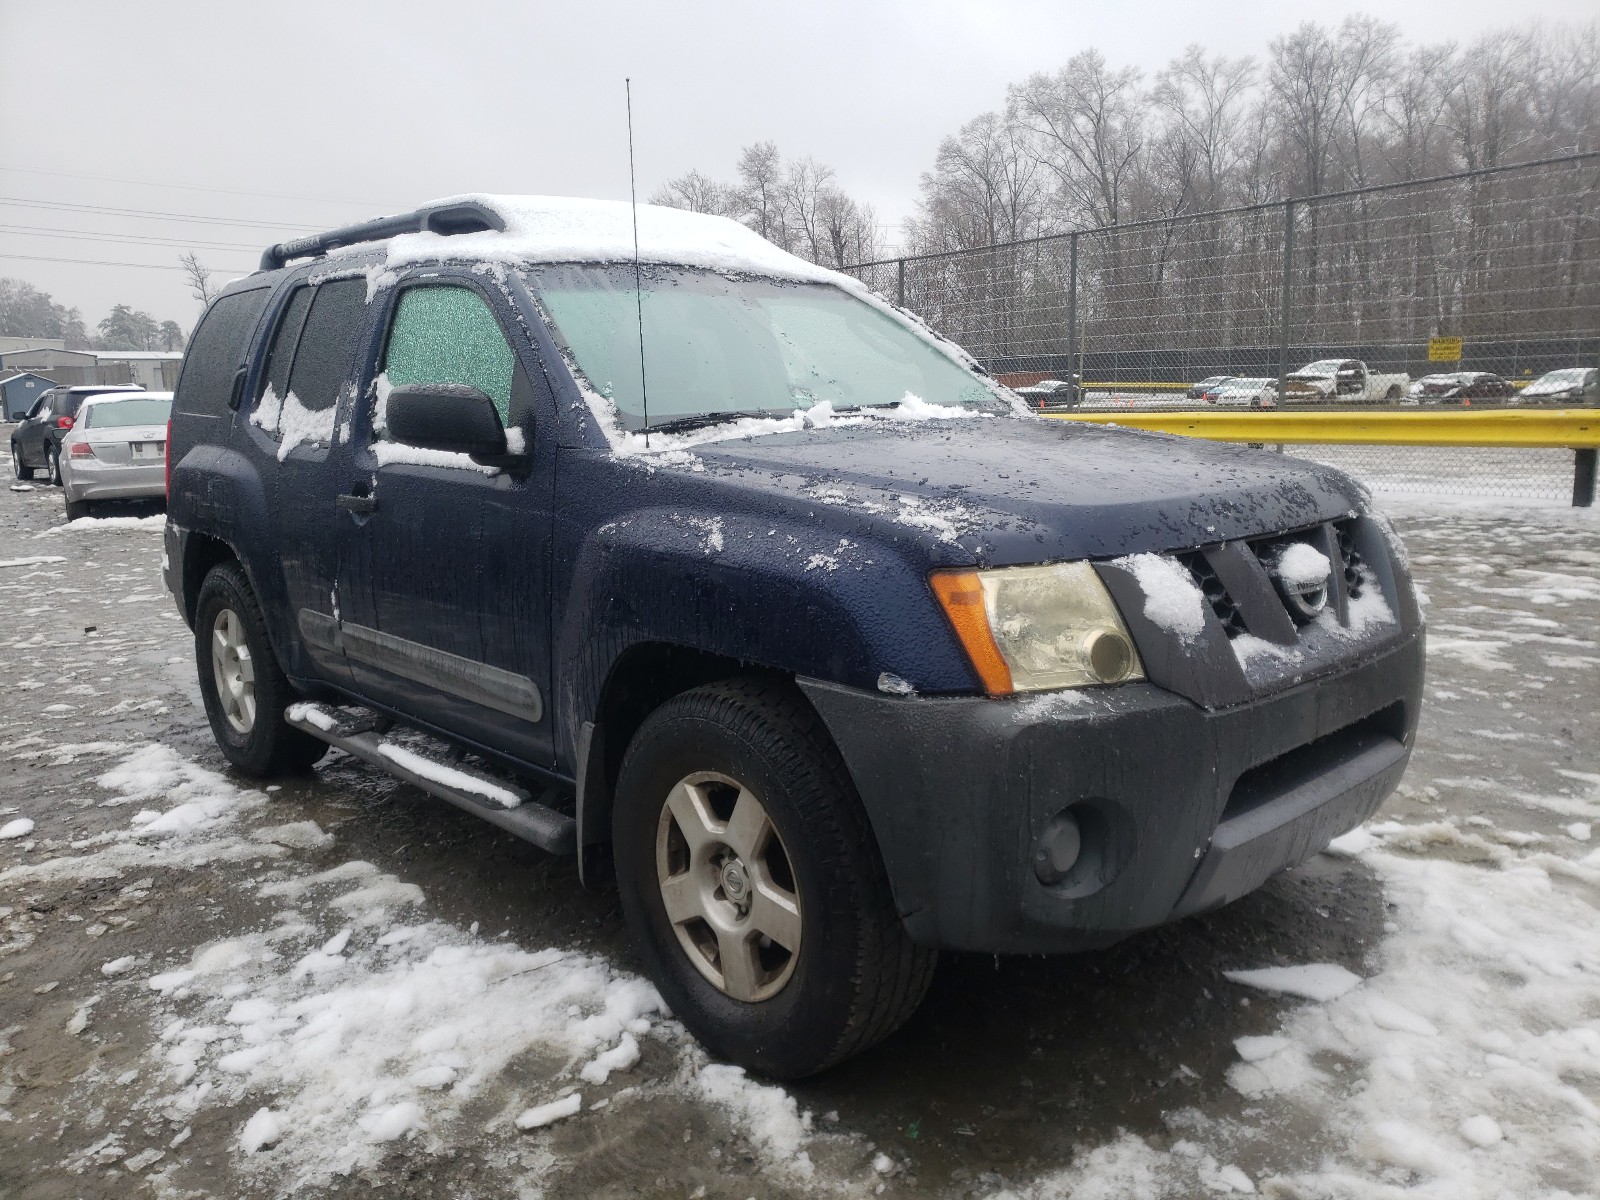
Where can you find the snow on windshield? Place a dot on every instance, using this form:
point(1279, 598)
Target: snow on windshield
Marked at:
point(554, 229)
point(715, 344)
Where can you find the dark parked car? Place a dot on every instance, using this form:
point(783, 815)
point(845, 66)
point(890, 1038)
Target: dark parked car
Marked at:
point(36, 441)
point(1052, 393)
point(814, 643)
point(1457, 387)
point(1206, 387)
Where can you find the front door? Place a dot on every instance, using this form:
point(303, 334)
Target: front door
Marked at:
point(448, 570)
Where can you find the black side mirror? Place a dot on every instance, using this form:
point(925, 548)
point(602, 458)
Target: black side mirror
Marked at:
point(450, 416)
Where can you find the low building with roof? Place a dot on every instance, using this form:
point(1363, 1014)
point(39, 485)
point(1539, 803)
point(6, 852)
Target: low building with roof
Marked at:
point(153, 369)
point(19, 391)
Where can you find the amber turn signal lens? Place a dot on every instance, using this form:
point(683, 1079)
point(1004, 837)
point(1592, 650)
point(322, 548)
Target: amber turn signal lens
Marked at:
point(960, 594)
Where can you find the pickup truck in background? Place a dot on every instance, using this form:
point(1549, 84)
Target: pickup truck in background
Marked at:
point(1346, 380)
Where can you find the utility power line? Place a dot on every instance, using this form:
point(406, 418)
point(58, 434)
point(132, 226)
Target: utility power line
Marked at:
point(132, 239)
point(188, 187)
point(146, 214)
point(99, 262)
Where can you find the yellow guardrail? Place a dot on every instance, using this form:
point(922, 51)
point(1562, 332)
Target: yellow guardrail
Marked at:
point(1562, 428)
point(1146, 386)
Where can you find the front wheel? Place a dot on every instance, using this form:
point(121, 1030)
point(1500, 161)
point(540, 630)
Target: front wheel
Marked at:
point(22, 470)
point(753, 886)
point(244, 689)
point(1392, 394)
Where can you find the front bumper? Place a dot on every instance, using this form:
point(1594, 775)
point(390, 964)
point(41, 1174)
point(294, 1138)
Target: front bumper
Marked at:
point(1183, 808)
point(86, 480)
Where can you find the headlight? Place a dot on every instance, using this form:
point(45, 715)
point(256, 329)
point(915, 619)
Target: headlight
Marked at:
point(1029, 629)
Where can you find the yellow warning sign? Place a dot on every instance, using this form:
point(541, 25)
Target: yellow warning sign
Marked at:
point(1444, 349)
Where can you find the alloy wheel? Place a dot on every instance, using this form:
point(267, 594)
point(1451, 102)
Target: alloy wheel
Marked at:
point(233, 670)
point(728, 886)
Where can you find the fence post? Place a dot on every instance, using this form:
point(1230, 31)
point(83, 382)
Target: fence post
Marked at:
point(1583, 466)
point(1072, 315)
point(1286, 305)
point(900, 282)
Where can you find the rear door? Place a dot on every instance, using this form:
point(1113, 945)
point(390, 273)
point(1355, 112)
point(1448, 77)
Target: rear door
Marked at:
point(294, 420)
point(448, 575)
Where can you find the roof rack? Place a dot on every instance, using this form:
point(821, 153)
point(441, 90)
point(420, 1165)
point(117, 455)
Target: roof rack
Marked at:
point(446, 220)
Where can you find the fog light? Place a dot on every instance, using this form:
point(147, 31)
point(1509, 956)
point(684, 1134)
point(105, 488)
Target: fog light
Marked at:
point(1058, 849)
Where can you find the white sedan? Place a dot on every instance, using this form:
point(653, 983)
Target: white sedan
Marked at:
point(1245, 392)
point(117, 450)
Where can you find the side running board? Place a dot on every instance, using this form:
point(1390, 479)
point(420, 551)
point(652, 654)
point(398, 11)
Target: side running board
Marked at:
point(467, 789)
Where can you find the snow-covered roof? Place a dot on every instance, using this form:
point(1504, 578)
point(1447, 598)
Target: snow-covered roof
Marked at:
point(563, 229)
point(118, 355)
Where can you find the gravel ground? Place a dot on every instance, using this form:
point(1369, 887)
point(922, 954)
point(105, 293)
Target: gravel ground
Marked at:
point(169, 937)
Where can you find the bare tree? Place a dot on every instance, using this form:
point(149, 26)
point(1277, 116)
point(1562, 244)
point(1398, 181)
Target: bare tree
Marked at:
point(1203, 99)
point(760, 188)
point(697, 193)
point(985, 187)
point(199, 278)
point(1087, 123)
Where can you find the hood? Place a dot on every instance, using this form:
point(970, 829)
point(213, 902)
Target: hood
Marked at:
point(1004, 490)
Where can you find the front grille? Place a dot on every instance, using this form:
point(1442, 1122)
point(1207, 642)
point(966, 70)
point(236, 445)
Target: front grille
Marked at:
point(1216, 595)
point(1355, 571)
point(1247, 613)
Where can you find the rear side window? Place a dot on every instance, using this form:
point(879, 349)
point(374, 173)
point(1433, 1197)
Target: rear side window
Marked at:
point(450, 335)
point(310, 359)
point(216, 352)
point(281, 356)
point(327, 343)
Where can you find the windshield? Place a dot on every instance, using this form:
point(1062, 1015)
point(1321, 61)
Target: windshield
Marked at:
point(1323, 369)
point(1567, 375)
point(719, 344)
point(118, 414)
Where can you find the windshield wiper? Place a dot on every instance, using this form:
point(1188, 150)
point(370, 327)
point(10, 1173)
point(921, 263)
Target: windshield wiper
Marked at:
point(701, 420)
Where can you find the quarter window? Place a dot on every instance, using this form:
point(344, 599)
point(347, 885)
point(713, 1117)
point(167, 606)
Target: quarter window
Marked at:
point(450, 335)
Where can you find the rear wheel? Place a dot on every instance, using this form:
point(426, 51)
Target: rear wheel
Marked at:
point(244, 689)
point(52, 465)
point(76, 509)
point(753, 886)
point(23, 471)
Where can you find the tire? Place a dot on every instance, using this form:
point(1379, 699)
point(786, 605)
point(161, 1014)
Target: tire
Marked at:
point(1392, 394)
point(854, 977)
point(52, 466)
point(247, 716)
point(76, 509)
point(22, 470)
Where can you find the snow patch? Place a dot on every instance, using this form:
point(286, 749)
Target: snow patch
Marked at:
point(1313, 981)
point(461, 781)
point(1172, 601)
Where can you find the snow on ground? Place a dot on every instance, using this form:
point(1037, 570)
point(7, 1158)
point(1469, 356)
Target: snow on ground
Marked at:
point(1465, 1066)
point(99, 524)
point(397, 1026)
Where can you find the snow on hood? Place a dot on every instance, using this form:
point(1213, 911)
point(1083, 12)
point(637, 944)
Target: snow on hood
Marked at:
point(565, 229)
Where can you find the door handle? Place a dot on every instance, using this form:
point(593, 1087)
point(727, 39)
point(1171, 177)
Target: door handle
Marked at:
point(358, 504)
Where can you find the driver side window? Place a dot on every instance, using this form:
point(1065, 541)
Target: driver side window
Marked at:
point(445, 334)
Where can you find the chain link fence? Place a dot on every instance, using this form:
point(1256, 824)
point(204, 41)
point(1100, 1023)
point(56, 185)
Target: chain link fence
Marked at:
point(1507, 260)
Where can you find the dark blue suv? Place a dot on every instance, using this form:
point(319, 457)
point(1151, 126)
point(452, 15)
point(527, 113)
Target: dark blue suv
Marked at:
point(712, 569)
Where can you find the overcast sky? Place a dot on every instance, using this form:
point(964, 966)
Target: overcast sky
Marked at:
point(310, 113)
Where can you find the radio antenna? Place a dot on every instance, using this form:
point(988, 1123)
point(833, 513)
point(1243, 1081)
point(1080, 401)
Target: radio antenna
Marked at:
point(638, 286)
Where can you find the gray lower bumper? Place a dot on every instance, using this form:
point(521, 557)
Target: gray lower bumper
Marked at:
point(1184, 808)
